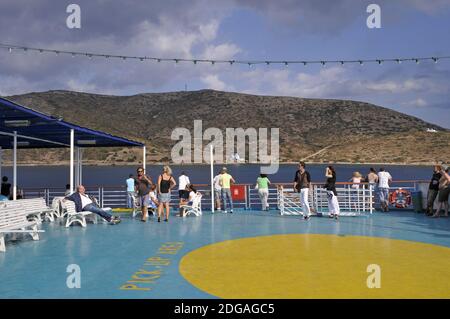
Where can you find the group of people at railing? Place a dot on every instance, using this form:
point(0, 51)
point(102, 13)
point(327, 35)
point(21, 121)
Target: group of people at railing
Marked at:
point(154, 198)
point(379, 183)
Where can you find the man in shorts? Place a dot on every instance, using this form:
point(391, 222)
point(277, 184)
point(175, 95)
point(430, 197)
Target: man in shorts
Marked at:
point(217, 190)
point(143, 184)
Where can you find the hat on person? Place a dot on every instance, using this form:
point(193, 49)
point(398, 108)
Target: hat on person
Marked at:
point(224, 169)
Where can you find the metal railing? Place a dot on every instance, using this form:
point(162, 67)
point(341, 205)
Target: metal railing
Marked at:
point(351, 200)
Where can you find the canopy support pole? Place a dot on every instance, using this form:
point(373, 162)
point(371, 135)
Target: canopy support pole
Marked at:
point(15, 165)
point(144, 159)
point(211, 158)
point(80, 172)
point(1, 159)
point(77, 166)
point(72, 149)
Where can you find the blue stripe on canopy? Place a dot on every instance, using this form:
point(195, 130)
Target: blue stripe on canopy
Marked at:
point(28, 122)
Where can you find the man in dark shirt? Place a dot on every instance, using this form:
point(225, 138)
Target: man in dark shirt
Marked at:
point(433, 189)
point(6, 187)
point(302, 182)
point(143, 184)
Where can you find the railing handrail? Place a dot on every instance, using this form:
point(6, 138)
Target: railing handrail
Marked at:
point(274, 184)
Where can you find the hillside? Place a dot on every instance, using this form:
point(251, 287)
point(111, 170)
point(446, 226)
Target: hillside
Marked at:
point(352, 131)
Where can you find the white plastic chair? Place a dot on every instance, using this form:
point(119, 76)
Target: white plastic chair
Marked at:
point(195, 208)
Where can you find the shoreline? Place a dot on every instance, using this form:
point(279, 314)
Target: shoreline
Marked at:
point(5, 165)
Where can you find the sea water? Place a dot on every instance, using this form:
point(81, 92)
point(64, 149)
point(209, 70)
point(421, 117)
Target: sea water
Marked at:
point(58, 176)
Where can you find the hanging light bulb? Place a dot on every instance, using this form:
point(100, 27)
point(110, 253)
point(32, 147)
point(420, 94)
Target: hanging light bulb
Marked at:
point(267, 63)
point(435, 60)
point(399, 61)
point(380, 62)
point(417, 61)
point(159, 60)
point(342, 62)
point(323, 63)
point(305, 63)
point(286, 63)
point(361, 62)
point(10, 50)
point(195, 61)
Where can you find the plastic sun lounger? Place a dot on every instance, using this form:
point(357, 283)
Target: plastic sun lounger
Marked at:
point(13, 219)
point(36, 209)
point(195, 208)
point(58, 207)
point(72, 216)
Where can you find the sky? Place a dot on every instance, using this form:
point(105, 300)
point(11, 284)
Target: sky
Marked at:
point(235, 29)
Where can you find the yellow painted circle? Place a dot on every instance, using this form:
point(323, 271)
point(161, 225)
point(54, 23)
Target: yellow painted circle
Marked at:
point(319, 266)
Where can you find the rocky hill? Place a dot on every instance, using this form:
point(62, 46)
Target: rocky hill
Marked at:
point(317, 129)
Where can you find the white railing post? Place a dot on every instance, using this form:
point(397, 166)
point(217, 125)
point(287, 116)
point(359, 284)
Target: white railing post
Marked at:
point(72, 150)
point(100, 192)
point(1, 158)
point(15, 166)
point(211, 159)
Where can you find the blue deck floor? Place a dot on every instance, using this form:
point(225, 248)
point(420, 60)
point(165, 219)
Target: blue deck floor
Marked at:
point(110, 255)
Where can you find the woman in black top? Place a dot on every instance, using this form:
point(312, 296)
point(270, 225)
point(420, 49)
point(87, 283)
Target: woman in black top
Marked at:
point(165, 184)
point(330, 184)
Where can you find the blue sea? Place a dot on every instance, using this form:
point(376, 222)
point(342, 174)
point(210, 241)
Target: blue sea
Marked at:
point(58, 176)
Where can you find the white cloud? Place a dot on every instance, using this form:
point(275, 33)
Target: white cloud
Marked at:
point(419, 102)
point(213, 82)
point(224, 51)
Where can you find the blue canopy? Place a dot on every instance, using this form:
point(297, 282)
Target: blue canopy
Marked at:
point(38, 130)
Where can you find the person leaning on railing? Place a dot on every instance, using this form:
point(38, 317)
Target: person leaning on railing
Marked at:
point(433, 189)
point(444, 192)
point(262, 185)
point(384, 178)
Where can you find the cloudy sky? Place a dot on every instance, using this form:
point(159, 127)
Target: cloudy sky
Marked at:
point(235, 29)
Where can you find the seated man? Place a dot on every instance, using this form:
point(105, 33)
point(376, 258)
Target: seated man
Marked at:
point(84, 202)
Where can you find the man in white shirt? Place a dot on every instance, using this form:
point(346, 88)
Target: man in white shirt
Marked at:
point(217, 191)
point(384, 178)
point(84, 202)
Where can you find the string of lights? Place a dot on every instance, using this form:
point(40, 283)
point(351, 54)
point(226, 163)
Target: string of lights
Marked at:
point(417, 60)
